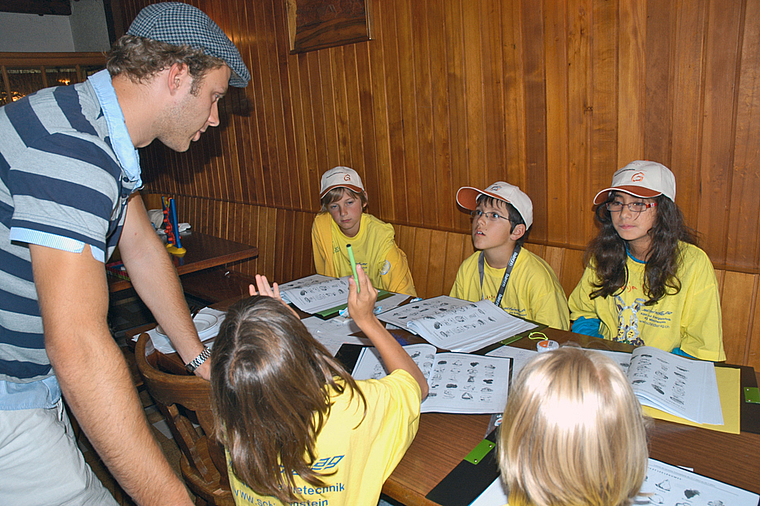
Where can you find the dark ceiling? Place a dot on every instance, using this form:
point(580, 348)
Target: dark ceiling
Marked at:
point(57, 7)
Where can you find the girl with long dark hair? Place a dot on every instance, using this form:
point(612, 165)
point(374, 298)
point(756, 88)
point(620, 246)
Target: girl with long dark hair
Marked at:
point(646, 281)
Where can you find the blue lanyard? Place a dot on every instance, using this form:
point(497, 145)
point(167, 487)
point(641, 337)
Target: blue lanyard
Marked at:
point(507, 273)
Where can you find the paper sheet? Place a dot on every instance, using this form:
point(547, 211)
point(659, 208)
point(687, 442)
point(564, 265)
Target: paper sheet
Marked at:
point(665, 485)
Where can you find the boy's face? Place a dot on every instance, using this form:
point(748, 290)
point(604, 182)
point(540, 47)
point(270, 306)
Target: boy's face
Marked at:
point(347, 213)
point(490, 234)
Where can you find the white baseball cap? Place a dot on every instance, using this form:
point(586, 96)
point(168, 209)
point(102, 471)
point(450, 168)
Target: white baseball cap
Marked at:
point(643, 179)
point(341, 177)
point(467, 197)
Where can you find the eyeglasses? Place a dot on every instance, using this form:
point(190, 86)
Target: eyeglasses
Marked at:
point(634, 207)
point(490, 216)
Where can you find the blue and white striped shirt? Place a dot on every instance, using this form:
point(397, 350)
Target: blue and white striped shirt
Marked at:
point(67, 168)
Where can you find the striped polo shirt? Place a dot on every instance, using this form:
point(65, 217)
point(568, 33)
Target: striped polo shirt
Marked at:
point(62, 186)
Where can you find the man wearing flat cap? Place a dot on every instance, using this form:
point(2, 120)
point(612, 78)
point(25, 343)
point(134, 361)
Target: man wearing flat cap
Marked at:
point(69, 175)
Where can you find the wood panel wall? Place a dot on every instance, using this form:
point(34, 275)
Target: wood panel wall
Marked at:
point(550, 95)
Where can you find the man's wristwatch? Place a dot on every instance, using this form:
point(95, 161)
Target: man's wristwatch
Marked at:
point(197, 361)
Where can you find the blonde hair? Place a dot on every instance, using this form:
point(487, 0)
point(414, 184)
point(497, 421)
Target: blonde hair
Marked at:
point(573, 433)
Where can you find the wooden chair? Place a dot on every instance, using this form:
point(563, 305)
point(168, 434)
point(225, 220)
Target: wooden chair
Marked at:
point(177, 397)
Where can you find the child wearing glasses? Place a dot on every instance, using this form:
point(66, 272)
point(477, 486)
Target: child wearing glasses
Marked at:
point(342, 221)
point(646, 281)
point(573, 433)
point(297, 428)
point(502, 271)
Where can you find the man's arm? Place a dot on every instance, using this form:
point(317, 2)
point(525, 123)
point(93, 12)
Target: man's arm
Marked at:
point(155, 280)
point(94, 378)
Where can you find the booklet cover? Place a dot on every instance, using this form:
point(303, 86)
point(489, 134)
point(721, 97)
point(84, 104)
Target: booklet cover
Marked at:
point(459, 382)
point(457, 325)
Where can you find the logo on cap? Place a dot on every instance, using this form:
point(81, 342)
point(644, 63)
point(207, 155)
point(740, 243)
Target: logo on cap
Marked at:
point(347, 177)
point(639, 176)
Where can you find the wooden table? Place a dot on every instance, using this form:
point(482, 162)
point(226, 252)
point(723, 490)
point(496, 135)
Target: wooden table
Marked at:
point(203, 251)
point(443, 440)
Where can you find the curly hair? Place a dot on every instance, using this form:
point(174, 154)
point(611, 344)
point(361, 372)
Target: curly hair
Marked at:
point(607, 253)
point(140, 59)
point(270, 389)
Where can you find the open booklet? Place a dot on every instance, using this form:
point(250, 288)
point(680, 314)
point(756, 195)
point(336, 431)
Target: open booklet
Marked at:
point(459, 382)
point(685, 388)
point(455, 324)
point(326, 296)
point(677, 385)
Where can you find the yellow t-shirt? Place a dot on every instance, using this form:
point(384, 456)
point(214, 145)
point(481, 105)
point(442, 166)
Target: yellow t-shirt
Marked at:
point(533, 291)
point(374, 248)
point(690, 319)
point(360, 453)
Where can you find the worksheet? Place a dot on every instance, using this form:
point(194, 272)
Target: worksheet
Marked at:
point(458, 382)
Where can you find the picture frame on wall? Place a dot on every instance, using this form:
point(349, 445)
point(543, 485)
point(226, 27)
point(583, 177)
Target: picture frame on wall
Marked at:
point(319, 24)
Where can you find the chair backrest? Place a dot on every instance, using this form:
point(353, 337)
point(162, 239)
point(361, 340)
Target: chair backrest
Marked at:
point(179, 398)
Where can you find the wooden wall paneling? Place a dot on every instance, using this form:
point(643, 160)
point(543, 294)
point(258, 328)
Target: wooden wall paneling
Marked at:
point(514, 90)
point(744, 222)
point(340, 77)
point(437, 169)
point(329, 80)
point(472, 29)
point(384, 98)
point(534, 172)
point(266, 109)
point(557, 137)
point(366, 86)
point(276, 39)
point(604, 63)
point(687, 105)
point(572, 269)
point(737, 297)
point(422, 174)
point(436, 283)
point(581, 181)
point(658, 121)
point(631, 84)
point(401, 65)
point(421, 258)
point(457, 103)
point(722, 56)
point(456, 249)
point(353, 154)
point(307, 174)
point(493, 97)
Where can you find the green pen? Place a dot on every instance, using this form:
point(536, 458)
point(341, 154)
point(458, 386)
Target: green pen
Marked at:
point(353, 265)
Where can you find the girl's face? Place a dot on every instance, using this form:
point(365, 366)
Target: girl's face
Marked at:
point(634, 227)
point(347, 213)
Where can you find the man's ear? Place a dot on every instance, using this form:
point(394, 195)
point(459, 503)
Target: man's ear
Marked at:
point(517, 232)
point(176, 77)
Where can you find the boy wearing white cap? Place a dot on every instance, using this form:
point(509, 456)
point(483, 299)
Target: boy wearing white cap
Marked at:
point(515, 279)
point(646, 282)
point(342, 221)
